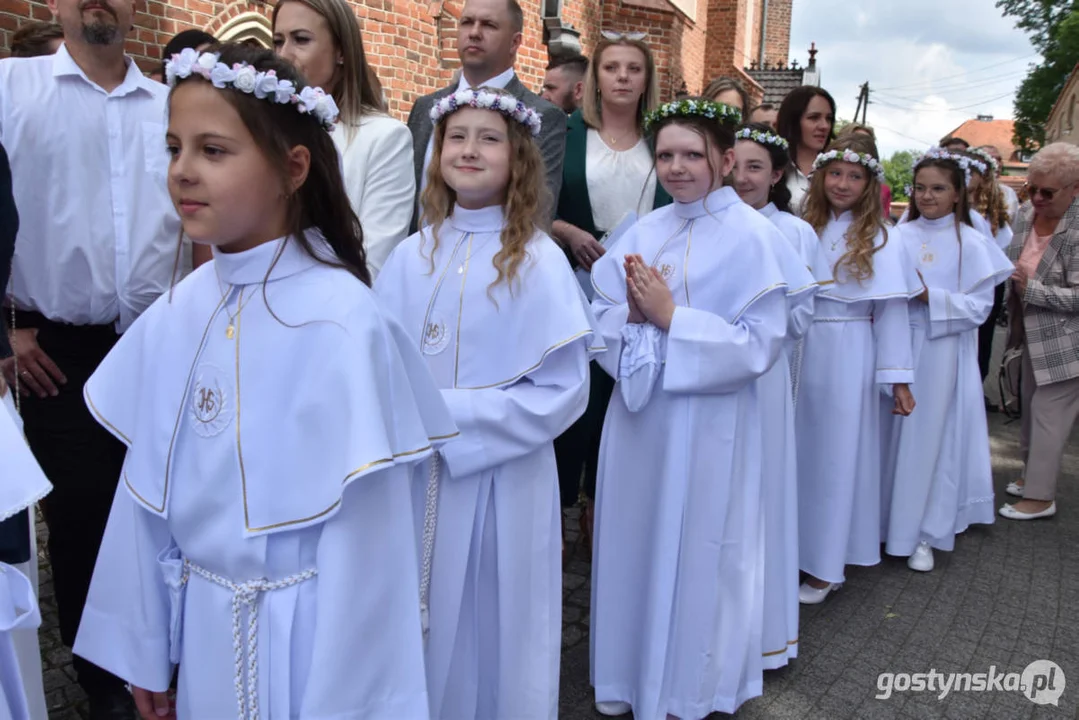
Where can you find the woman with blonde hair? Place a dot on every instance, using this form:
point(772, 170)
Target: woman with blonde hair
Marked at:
point(492, 304)
point(858, 346)
point(322, 39)
point(606, 175)
point(728, 91)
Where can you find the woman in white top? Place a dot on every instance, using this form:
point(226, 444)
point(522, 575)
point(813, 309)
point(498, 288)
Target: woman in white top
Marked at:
point(322, 39)
point(807, 122)
point(607, 174)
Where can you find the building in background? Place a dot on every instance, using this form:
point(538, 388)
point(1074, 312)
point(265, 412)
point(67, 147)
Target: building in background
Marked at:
point(1060, 126)
point(411, 42)
point(985, 130)
point(776, 77)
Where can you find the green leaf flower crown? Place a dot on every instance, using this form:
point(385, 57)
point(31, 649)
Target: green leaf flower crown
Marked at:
point(762, 138)
point(693, 108)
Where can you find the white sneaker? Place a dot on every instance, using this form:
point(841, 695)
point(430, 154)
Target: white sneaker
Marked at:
point(613, 709)
point(922, 559)
point(809, 595)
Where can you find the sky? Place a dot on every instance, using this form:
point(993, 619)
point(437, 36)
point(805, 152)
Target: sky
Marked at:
point(930, 64)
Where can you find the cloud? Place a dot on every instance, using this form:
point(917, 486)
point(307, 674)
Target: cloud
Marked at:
point(930, 64)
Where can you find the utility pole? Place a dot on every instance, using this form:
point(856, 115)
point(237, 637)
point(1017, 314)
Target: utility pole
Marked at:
point(863, 103)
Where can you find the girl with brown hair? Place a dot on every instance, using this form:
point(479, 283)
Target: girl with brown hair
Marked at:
point(279, 413)
point(322, 38)
point(858, 346)
point(492, 304)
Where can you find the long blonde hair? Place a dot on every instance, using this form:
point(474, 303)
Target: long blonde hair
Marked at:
point(358, 91)
point(592, 105)
point(988, 199)
point(868, 212)
point(525, 204)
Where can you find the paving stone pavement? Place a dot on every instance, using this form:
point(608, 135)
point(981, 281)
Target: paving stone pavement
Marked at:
point(1007, 596)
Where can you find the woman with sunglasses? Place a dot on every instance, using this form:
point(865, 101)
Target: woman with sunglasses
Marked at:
point(1043, 305)
point(606, 175)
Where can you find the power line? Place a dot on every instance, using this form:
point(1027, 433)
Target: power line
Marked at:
point(957, 87)
point(908, 137)
point(959, 75)
point(947, 109)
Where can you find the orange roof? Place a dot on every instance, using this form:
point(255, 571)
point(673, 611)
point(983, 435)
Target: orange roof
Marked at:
point(989, 132)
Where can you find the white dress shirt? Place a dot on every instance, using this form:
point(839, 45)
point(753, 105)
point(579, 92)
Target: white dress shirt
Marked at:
point(619, 181)
point(798, 184)
point(380, 181)
point(98, 233)
point(498, 81)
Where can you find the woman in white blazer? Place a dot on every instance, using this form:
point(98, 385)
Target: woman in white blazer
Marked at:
point(322, 38)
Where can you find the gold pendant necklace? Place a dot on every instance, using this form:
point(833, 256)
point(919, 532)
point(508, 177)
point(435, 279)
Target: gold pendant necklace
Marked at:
point(230, 330)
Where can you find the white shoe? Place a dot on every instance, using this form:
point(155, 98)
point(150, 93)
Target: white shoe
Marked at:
point(922, 559)
point(1014, 489)
point(1009, 511)
point(809, 595)
point(613, 709)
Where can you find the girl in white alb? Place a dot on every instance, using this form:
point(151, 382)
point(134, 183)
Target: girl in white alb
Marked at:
point(262, 538)
point(491, 302)
point(938, 476)
point(859, 345)
point(760, 158)
point(694, 310)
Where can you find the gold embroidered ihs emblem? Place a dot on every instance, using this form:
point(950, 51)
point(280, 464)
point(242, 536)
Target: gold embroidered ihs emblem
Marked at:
point(666, 270)
point(928, 257)
point(435, 337)
point(211, 406)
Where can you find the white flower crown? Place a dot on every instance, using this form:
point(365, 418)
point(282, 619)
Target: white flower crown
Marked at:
point(936, 153)
point(485, 98)
point(984, 158)
point(243, 77)
point(850, 156)
point(762, 137)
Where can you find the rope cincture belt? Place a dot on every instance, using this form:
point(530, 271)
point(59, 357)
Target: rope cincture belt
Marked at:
point(246, 595)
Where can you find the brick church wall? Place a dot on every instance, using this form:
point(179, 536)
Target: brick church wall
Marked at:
point(411, 43)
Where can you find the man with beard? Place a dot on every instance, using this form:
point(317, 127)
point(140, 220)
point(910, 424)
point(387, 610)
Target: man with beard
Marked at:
point(563, 84)
point(97, 244)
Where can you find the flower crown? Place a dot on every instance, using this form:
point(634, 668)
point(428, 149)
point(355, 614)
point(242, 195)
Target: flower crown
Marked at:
point(936, 153)
point(762, 137)
point(985, 158)
point(265, 85)
point(487, 99)
point(692, 108)
point(850, 156)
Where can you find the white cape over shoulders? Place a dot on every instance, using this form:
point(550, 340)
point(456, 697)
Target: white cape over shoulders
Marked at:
point(262, 536)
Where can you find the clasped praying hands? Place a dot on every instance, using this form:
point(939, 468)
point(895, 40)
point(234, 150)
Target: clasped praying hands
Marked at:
point(649, 298)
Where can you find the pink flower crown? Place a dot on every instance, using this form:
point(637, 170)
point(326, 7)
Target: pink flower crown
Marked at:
point(265, 85)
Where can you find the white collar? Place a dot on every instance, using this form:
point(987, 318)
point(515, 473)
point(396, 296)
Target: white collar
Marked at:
point(64, 65)
point(946, 221)
point(488, 219)
point(278, 258)
point(769, 210)
point(715, 201)
point(498, 81)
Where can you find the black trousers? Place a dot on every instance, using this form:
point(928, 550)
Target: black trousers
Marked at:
point(83, 462)
point(577, 449)
point(988, 330)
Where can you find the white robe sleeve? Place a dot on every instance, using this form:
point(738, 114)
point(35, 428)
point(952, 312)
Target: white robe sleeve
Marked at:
point(501, 424)
point(642, 359)
point(891, 330)
point(707, 354)
point(1004, 237)
point(128, 621)
point(951, 313)
point(611, 319)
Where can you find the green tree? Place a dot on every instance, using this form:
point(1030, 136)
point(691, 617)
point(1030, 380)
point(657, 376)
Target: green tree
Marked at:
point(1053, 26)
point(899, 174)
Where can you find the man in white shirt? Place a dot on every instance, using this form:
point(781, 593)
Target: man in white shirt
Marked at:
point(488, 36)
point(97, 244)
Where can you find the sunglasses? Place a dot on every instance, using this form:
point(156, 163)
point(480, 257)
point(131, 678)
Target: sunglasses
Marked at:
point(616, 36)
point(1046, 194)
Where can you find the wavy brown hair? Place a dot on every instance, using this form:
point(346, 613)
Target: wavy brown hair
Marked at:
point(525, 202)
point(988, 199)
point(867, 211)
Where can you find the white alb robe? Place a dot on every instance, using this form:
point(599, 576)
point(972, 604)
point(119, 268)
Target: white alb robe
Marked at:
point(938, 476)
point(679, 560)
point(512, 363)
point(22, 483)
point(859, 345)
point(265, 541)
point(1003, 236)
point(803, 265)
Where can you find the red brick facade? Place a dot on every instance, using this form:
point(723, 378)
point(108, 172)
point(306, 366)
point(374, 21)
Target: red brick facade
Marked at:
point(411, 43)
